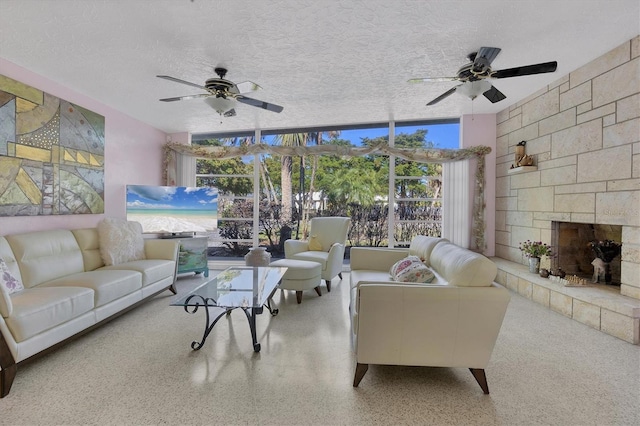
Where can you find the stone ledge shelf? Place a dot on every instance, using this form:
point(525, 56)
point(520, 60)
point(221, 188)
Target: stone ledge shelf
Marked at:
point(598, 306)
point(522, 169)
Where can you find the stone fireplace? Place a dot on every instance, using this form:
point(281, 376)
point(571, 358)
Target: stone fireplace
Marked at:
point(572, 252)
point(583, 133)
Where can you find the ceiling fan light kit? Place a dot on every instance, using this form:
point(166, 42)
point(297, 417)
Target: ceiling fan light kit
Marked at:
point(475, 75)
point(220, 104)
point(472, 89)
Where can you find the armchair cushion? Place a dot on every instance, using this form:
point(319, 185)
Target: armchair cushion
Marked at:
point(411, 270)
point(315, 244)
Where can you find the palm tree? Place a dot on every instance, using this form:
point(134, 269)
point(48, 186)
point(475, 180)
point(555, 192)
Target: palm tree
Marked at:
point(288, 139)
point(355, 186)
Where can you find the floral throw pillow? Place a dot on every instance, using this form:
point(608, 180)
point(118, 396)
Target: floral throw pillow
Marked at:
point(411, 270)
point(7, 280)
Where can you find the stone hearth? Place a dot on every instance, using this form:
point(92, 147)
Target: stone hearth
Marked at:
point(598, 306)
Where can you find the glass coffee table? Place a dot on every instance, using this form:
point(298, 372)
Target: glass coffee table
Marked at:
point(247, 288)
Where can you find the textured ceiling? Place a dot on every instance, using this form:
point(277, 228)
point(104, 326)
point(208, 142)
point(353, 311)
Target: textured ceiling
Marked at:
point(328, 62)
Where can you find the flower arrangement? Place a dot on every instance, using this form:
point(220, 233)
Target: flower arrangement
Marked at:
point(535, 248)
point(606, 250)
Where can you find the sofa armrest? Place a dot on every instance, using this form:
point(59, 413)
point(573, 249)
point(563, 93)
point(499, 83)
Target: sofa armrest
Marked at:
point(161, 249)
point(428, 325)
point(6, 306)
point(375, 258)
point(293, 247)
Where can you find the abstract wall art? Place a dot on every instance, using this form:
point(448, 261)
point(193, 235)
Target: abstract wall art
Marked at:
point(51, 154)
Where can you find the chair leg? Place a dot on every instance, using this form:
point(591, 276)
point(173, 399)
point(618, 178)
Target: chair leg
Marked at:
point(481, 378)
point(299, 297)
point(328, 285)
point(172, 289)
point(317, 289)
point(361, 369)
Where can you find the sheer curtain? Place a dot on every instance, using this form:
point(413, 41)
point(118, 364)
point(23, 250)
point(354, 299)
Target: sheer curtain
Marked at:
point(185, 170)
point(463, 221)
point(456, 218)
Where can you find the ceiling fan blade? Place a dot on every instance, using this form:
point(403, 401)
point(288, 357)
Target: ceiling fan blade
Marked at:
point(177, 80)
point(247, 86)
point(488, 54)
point(526, 70)
point(183, 98)
point(428, 79)
point(494, 95)
point(259, 104)
point(444, 95)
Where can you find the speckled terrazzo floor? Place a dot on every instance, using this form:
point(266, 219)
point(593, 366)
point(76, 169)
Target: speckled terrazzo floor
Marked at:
point(139, 369)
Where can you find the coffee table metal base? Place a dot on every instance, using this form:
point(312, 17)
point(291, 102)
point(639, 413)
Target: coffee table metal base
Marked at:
point(249, 312)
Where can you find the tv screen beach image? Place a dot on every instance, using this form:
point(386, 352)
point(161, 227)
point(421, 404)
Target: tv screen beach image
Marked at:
point(173, 209)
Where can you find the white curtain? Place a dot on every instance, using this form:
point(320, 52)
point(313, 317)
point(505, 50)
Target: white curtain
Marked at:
point(185, 170)
point(456, 218)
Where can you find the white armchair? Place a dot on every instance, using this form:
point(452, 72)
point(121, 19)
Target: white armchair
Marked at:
point(328, 237)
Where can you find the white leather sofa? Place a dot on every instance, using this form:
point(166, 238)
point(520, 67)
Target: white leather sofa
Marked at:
point(453, 321)
point(68, 290)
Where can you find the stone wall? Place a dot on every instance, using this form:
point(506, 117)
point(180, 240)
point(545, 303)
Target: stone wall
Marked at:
point(583, 131)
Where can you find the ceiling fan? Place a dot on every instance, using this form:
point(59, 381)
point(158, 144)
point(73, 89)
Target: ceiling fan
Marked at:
point(222, 94)
point(475, 74)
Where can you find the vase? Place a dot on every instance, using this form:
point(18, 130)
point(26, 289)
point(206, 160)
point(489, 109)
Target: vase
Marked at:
point(257, 256)
point(534, 265)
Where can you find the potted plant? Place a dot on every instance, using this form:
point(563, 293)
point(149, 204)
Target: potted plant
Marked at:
point(534, 250)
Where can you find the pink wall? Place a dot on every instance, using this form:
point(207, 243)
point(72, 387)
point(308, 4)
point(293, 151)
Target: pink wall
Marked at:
point(133, 155)
point(480, 129)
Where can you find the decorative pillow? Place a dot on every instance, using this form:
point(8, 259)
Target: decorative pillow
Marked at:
point(412, 270)
point(314, 243)
point(120, 241)
point(7, 280)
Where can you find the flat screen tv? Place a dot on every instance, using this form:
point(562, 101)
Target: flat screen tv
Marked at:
point(173, 210)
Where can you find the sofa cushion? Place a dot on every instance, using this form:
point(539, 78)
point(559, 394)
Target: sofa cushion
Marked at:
point(107, 285)
point(46, 255)
point(152, 270)
point(10, 283)
point(422, 246)
point(120, 241)
point(411, 270)
point(462, 267)
point(89, 242)
point(38, 309)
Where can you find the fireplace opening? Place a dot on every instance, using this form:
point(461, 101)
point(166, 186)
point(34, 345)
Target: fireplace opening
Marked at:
point(573, 253)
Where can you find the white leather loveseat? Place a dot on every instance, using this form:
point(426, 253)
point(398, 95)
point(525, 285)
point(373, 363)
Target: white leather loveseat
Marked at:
point(69, 290)
point(453, 321)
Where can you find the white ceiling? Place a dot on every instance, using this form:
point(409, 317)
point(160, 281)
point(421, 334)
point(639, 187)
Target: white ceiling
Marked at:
point(328, 62)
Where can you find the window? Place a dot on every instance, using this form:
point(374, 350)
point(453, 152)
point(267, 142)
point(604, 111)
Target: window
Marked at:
point(265, 199)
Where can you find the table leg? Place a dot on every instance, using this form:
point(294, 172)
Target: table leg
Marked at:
point(252, 325)
point(208, 325)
